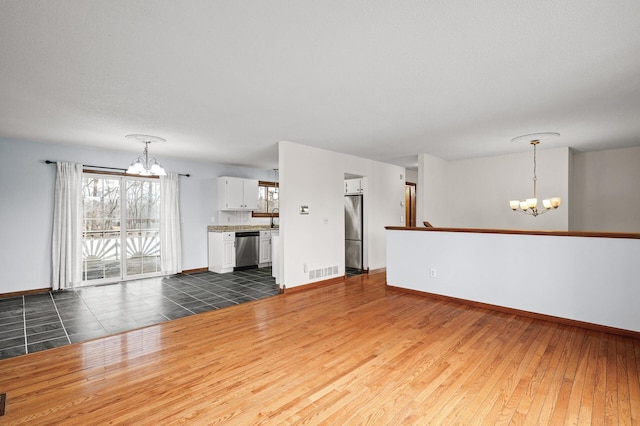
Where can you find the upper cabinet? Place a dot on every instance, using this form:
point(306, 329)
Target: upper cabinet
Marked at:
point(353, 186)
point(237, 193)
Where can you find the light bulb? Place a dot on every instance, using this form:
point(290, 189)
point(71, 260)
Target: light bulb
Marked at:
point(157, 170)
point(136, 168)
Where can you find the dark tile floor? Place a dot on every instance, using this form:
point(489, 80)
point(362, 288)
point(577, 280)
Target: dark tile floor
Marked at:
point(38, 322)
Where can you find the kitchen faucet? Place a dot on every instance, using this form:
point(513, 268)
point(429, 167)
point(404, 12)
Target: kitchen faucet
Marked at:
point(272, 212)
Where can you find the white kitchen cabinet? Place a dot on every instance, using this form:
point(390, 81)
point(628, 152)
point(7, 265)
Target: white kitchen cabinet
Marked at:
point(264, 258)
point(237, 193)
point(222, 252)
point(353, 186)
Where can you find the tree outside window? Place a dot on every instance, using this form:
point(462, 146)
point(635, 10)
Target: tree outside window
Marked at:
point(267, 200)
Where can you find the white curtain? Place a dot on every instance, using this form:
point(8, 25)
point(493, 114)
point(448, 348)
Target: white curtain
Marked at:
point(170, 241)
point(66, 253)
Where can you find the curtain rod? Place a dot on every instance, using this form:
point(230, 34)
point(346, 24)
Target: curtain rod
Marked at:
point(110, 168)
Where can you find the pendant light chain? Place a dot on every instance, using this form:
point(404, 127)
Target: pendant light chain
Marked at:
point(535, 177)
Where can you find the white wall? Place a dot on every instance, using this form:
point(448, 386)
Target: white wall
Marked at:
point(598, 190)
point(431, 192)
point(315, 177)
point(412, 176)
point(480, 189)
point(606, 190)
point(585, 279)
point(386, 193)
point(26, 190)
point(475, 193)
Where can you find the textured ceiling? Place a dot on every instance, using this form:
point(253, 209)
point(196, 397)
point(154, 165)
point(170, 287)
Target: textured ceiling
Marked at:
point(226, 80)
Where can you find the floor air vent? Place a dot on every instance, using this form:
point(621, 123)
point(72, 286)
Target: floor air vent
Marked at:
point(323, 272)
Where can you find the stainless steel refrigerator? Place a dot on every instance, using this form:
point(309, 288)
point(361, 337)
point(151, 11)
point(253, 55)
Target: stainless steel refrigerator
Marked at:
point(353, 231)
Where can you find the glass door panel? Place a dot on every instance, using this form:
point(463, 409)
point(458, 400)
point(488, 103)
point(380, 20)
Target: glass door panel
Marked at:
point(143, 227)
point(101, 228)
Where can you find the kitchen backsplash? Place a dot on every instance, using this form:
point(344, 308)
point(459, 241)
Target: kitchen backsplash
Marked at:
point(231, 218)
point(235, 228)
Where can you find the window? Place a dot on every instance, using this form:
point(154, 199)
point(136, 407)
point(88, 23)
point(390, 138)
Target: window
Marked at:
point(267, 200)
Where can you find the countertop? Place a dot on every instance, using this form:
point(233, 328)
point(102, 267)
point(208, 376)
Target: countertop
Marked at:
point(240, 228)
point(629, 235)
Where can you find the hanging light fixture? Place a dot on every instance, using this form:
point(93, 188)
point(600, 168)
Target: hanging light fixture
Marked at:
point(143, 165)
point(530, 205)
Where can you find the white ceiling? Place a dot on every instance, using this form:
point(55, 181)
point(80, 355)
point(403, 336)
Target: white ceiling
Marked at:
point(226, 80)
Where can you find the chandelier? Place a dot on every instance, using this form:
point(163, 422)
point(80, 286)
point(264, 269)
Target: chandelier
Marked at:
point(143, 165)
point(530, 205)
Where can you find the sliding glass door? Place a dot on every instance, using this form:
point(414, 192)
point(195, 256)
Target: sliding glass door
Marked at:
point(121, 228)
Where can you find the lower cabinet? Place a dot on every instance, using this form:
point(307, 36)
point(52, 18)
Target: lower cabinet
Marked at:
point(222, 251)
point(264, 258)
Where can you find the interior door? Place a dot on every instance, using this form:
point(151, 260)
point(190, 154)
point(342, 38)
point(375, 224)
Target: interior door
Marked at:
point(410, 204)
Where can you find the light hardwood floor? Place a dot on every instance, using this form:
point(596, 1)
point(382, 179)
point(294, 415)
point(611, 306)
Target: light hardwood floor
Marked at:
point(351, 353)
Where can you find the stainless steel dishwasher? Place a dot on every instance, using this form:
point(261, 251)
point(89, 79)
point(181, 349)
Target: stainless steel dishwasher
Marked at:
point(247, 244)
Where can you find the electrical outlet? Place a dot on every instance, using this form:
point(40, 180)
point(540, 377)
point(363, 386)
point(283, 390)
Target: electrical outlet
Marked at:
point(213, 219)
point(433, 272)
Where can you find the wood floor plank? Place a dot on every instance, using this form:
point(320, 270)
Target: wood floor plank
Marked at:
point(453, 391)
point(475, 407)
point(590, 372)
point(611, 392)
point(524, 377)
point(576, 396)
point(524, 413)
point(499, 387)
point(568, 380)
point(624, 402)
point(634, 380)
point(355, 352)
point(600, 390)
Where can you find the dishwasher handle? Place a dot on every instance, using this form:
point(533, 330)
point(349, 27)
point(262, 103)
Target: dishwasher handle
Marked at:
point(248, 234)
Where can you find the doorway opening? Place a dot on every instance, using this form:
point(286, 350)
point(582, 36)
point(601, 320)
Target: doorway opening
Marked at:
point(353, 225)
point(410, 204)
